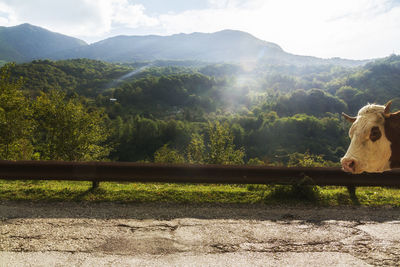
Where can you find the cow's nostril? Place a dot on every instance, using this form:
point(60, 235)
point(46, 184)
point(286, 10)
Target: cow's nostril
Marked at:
point(352, 163)
point(349, 165)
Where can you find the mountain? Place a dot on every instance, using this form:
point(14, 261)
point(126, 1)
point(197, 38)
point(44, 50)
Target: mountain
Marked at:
point(223, 46)
point(26, 42)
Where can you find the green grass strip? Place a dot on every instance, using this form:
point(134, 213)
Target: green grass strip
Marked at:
point(195, 193)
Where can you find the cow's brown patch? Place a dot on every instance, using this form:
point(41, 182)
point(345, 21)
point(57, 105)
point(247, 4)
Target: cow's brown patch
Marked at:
point(375, 134)
point(392, 131)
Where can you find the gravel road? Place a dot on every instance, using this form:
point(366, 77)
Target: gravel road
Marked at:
point(159, 234)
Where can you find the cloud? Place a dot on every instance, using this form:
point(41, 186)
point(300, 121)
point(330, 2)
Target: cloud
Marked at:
point(7, 15)
point(130, 15)
point(76, 17)
point(352, 29)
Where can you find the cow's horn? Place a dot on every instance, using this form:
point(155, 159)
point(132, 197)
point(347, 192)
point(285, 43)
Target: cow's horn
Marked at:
point(348, 118)
point(387, 107)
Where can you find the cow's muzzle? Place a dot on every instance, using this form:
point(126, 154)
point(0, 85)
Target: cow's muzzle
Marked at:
point(348, 165)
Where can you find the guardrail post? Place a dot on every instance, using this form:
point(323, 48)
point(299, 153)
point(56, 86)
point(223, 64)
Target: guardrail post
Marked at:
point(352, 193)
point(95, 184)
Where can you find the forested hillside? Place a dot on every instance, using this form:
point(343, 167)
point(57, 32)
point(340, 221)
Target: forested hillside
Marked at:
point(190, 112)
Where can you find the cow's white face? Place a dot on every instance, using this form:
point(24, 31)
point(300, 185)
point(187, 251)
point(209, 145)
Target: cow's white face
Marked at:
point(369, 150)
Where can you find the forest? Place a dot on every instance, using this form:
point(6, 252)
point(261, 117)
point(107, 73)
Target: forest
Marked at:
point(186, 112)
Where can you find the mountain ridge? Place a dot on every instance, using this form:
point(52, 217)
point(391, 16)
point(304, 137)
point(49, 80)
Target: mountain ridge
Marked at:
point(26, 42)
point(230, 46)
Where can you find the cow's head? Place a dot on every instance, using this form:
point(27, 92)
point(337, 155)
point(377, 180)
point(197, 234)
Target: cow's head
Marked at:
point(375, 140)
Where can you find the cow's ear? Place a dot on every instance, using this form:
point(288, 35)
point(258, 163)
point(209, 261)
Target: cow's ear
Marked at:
point(349, 118)
point(387, 107)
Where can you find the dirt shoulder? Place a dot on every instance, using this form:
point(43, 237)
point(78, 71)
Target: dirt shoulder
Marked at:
point(168, 211)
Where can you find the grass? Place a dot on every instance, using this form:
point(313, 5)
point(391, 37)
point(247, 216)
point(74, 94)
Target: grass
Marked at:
point(195, 193)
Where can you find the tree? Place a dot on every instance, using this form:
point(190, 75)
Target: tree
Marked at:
point(67, 130)
point(168, 155)
point(196, 149)
point(15, 118)
point(354, 98)
point(307, 160)
point(221, 149)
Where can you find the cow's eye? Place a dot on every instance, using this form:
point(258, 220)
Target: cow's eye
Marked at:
point(375, 134)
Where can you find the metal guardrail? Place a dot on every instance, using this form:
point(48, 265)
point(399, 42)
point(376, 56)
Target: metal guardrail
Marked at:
point(185, 173)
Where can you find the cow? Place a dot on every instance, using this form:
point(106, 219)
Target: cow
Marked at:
point(375, 140)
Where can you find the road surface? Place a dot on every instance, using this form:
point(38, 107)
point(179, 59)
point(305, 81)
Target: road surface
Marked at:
point(160, 234)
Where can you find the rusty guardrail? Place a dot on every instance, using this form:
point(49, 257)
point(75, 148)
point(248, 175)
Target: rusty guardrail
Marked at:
point(185, 173)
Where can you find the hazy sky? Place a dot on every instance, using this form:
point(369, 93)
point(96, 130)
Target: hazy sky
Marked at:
point(356, 29)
